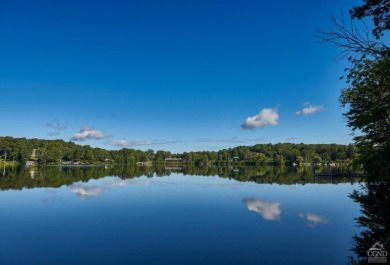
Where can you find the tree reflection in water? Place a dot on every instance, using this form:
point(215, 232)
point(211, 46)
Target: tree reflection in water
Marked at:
point(56, 176)
point(374, 224)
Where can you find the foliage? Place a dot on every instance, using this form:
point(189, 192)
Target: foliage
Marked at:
point(368, 98)
point(367, 94)
point(379, 10)
point(61, 152)
point(17, 178)
point(374, 199)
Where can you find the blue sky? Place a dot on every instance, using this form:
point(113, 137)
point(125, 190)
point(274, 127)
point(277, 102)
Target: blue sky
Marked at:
point(171, 75)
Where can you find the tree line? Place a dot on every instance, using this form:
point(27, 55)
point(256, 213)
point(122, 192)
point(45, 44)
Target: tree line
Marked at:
point(61, 152)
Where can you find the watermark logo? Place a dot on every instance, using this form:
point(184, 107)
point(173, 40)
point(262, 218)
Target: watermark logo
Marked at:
point(377, 254)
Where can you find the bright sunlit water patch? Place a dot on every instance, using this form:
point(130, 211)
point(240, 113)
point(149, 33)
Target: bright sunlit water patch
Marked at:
point(177, 219)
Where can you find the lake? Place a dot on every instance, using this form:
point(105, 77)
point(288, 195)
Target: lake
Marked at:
point(116, 215)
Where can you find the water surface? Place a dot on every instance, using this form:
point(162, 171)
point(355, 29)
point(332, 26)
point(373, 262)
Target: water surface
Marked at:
point(171, 219)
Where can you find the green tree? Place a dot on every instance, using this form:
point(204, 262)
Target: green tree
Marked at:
point(368, 98)
point(367, 94)
point(89, 156)
point(279, 159)
point(317, 159)
point(299, 160)
point(379, 10)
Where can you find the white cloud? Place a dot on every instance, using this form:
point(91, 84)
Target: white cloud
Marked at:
point(126, 143)
point(234, 139)
point(313, 219)
point(268, 210)
point(89, 133)
point(264, 118)
point(84, 192)
point(119, 142)
point(309, 110)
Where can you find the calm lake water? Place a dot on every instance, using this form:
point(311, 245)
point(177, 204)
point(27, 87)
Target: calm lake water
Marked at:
point(57, 215)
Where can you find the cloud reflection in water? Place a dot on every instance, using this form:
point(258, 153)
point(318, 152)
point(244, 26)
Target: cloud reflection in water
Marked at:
point(313, 219)
point(85, 192)
point(117, 182)
point(270, 211)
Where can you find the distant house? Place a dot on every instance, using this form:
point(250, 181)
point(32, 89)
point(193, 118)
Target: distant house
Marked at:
point(34, 153)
